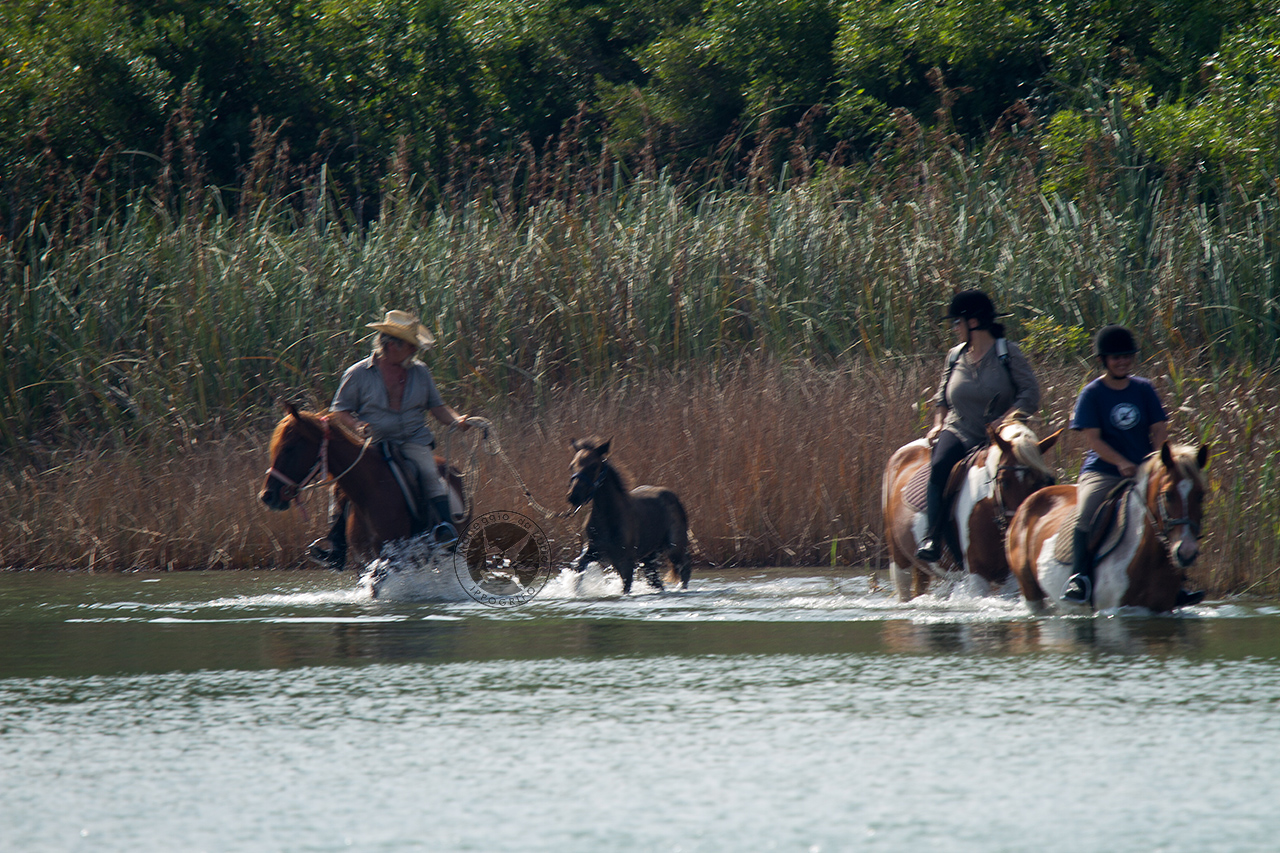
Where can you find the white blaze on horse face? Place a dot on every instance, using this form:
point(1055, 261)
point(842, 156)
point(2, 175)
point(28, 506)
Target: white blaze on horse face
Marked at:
point(1188, 548)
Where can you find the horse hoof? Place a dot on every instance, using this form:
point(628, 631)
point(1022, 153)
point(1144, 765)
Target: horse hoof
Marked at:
point(1188, 599)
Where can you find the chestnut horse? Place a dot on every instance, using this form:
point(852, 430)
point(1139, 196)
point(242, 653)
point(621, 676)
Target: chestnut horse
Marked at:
point(308, 448)
point(1146, 567)
point(627, 527)
point(998, 478)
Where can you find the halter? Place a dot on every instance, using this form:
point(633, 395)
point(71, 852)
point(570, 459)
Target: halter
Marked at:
point(577, 475)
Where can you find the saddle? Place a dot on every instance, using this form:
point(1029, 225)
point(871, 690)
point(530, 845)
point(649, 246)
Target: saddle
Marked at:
point(1106, 528)
point(915, 492)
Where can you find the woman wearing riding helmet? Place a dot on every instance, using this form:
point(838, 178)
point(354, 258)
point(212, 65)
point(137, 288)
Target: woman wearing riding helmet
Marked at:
point(1123, 422)
point(985, 377)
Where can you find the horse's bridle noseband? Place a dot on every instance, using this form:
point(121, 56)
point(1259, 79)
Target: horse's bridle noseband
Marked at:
point(578, 475)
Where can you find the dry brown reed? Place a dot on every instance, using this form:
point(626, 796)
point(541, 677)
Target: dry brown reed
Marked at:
point(778, 464)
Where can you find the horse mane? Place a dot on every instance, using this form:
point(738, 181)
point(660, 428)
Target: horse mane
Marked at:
point(312, 419)
point(1184, 459)
point(1026, 445)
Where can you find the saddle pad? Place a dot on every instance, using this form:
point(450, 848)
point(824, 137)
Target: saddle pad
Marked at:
point(915, 493)
point(1109, 526)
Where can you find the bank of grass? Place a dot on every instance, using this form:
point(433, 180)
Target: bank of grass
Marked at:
point(778, 463)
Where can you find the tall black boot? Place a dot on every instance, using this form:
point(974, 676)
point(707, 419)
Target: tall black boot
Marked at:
point(1079, 587)
point(931, 547)
point(444, 533)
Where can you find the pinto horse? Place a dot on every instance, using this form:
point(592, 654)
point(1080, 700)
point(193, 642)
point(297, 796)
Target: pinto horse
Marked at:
point(997, 479)
point(1146, 566)
point(308, 448)
point(627, 527)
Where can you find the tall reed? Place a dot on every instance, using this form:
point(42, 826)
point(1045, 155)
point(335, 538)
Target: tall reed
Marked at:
point(778, 464)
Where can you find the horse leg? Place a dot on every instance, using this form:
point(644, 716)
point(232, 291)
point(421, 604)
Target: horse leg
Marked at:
point(650, 564)
point(626, 569)
point(588, 555)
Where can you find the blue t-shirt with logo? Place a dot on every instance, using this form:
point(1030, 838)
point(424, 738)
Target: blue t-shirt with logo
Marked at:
point(1124, 418)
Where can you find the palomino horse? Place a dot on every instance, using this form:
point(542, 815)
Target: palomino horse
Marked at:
point(307, 448)
point(627, 528)
point(1145, 566)
point(998, 478)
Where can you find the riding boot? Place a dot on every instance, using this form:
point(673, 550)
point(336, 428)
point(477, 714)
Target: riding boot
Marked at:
point(1079, 586)
point(931, 546)
point(331, 551)
point(444, 533)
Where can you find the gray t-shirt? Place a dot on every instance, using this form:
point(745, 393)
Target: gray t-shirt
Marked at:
point(978, 394)
point(363, 393)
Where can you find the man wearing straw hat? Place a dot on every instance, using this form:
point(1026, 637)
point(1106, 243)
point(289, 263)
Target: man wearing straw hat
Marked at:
point(389, 393)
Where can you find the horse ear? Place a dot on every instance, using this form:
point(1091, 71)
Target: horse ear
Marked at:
point(1046, 444)
point(1166, 455)
point(289, 407)
point(1202, 458)
point(994, 434)
point(603, 449)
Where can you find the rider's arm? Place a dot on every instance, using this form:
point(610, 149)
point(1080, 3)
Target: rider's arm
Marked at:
point(939, 418)
point(1159, 434)
point(446, 415)
point(347, 420)
point(1093, 438)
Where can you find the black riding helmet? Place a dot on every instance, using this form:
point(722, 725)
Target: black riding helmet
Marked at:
point(1114, 340)
point(972, 304)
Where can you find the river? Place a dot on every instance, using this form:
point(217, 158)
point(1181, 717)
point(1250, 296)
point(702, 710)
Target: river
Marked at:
point(795, 710)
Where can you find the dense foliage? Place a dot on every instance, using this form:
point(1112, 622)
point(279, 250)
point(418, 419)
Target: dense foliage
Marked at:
point(113, 85)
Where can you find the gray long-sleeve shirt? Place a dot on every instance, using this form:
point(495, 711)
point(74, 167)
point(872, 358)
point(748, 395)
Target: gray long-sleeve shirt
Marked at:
point(978, 394)
point(363, 393)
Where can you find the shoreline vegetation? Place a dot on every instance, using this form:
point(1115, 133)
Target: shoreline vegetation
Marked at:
point(779, 464)
point(761, 346)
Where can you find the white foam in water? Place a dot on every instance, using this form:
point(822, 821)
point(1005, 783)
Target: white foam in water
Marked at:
point(592, 583)
point(415, 571)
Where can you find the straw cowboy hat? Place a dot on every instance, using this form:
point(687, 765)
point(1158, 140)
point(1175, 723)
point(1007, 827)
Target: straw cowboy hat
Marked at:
point(405, 326)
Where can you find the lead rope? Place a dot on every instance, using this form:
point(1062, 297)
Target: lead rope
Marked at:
point(492, 446)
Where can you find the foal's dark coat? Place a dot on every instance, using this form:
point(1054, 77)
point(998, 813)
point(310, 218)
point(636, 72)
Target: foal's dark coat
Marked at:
point(627, 527)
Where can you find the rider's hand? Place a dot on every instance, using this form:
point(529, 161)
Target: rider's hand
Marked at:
point(1128, 469)
point(461, 423)
point(932, 435)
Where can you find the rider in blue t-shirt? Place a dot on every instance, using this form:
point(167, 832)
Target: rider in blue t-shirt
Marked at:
point(1123, 422)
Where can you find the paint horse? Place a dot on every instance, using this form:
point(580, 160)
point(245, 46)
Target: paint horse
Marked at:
point(307, 449)
point(1156, 537)
point(987, 487)
point(626, 527)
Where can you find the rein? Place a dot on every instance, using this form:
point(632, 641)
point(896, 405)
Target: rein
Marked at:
point(319, 473)
point(493, 447)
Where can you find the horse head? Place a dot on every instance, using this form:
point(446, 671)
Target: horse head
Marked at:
point(295, 452)
point(1175, 495)
point(1019, 467)
point(588, 468)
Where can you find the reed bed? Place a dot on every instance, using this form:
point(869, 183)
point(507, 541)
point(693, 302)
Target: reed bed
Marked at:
point(778, 464)
point(760, 344)
point(156, 322)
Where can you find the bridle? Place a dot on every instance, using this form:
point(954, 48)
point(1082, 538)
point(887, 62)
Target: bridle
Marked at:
point(1167, 523)
point(1002, 512)
point(319, 472)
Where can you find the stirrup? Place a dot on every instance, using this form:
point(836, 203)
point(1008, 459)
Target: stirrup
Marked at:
point(1078, 589)
point(445, 535)
point(930, 550)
